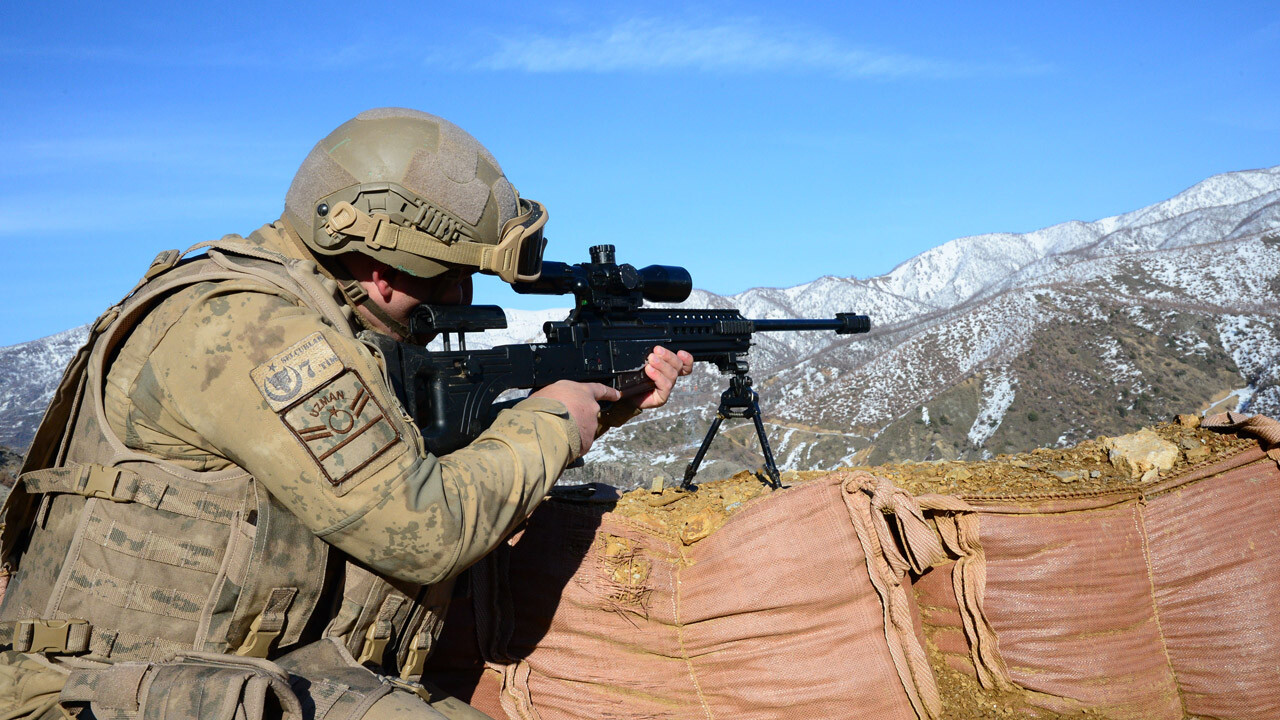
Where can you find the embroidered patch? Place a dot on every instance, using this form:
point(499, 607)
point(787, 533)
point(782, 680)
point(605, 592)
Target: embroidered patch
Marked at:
point(343, 426)
point(296, 371)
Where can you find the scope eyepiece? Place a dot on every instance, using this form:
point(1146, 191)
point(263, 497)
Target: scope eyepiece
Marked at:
point(557, 278)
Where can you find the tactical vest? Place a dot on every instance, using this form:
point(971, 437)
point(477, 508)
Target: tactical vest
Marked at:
point(115, 554)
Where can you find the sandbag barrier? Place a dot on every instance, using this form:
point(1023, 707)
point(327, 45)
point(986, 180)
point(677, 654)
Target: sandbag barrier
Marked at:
point(1158, 602)
point(832, 598)
point(799, 606)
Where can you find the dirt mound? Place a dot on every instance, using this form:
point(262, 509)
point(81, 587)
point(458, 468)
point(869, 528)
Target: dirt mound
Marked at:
point(1083, 469)
point(691, 516)
point(963, 698)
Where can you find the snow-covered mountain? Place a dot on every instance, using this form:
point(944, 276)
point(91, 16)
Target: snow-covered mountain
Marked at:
point(1003, 342)
point(29, 373)
point(985, 344)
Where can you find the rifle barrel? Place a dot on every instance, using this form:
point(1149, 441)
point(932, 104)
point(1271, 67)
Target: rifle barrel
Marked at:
point(842, 323)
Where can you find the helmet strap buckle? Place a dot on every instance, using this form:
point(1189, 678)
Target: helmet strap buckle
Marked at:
point(386, 234)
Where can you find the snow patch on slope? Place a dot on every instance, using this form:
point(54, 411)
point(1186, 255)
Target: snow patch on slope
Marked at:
point(998, 391)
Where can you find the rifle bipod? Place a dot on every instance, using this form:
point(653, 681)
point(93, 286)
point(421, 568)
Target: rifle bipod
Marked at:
point(739, 401)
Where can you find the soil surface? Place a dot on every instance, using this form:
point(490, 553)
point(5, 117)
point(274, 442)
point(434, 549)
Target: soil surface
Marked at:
point(964, 698)
point(1085, 468)
point(691, 516)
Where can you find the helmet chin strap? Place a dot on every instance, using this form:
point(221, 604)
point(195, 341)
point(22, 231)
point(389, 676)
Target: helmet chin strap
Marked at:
point(355, 294)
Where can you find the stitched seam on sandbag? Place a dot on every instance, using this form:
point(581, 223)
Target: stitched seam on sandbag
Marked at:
point(1140, 524)
point(1179, 483)
point(679, 626)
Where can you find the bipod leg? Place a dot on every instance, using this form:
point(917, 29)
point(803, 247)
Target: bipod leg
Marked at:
point(770, 467)
point(692, 468)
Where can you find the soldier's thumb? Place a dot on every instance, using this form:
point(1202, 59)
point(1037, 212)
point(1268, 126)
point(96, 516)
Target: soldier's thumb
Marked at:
point(605, 393)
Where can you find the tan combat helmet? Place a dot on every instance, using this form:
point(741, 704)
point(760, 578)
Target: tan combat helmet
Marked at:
point(415, 192)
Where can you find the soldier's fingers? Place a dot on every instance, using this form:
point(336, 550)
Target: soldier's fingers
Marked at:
point(686, 362)
point(662, 374)
point(666, 361)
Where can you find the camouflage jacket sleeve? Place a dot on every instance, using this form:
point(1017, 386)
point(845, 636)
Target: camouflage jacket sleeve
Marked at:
point(269, 386)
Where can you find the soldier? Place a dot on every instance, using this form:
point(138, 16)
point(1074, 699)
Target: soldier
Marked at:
point(226, 510)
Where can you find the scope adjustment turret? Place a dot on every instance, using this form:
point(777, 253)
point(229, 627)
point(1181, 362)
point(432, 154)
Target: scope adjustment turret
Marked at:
point(601, 254)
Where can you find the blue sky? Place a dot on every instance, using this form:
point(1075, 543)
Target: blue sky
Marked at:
point(757, 144)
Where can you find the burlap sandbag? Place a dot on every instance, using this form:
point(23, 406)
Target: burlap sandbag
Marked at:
point(796, 607)
point(1156, 603)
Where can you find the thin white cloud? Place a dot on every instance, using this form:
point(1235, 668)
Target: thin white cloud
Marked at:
point(742, 45)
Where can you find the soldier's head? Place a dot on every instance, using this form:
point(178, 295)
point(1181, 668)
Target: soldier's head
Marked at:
point(406, 192)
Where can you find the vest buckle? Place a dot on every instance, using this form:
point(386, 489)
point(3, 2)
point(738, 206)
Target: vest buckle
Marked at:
point(374, 647)
point(268, 625)
point(416, 660)
point(104, 320)
point(101, 482)
point(53, 636)
point(419, 689)
point(258, 643)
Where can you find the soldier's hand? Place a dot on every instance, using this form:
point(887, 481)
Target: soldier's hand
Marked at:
point(583, 401)
point(663, 368)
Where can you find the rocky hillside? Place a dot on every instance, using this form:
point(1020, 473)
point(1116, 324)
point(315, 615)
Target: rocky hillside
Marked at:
point(10, 463)
point(1001, 343)
point(29, 373)
point(984, 345)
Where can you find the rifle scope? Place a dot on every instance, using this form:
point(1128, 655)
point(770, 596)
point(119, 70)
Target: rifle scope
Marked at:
point(604, 277)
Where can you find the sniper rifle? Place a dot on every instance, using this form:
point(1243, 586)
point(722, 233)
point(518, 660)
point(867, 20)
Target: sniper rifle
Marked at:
point(452, 394)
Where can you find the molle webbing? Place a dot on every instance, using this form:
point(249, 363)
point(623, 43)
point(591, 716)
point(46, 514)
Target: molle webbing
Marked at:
point(121, 485)
point(75, 636)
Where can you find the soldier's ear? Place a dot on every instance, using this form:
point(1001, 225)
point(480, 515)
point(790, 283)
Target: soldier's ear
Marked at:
point(383, 279)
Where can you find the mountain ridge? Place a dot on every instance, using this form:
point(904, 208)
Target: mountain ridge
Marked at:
point(956, 363)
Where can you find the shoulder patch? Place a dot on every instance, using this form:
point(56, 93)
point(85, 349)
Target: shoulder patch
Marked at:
point(342, 425)
point(302, 368)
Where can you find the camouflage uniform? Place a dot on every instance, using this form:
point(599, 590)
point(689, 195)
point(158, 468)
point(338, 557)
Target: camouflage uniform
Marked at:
point(217, 457)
